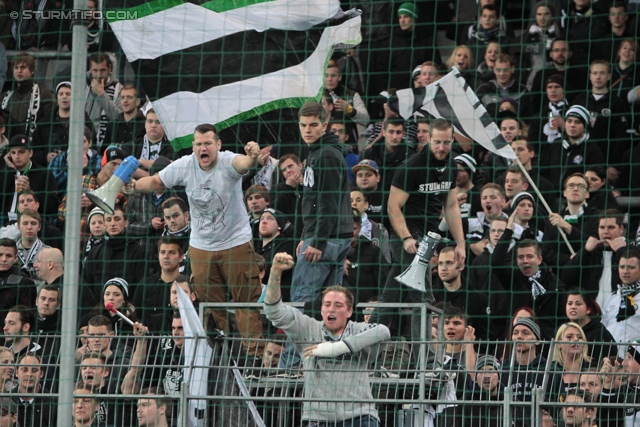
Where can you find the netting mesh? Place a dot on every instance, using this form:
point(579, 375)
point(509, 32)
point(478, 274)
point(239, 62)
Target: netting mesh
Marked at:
point(469, 165)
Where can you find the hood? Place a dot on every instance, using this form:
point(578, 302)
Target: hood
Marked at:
point(327, 139)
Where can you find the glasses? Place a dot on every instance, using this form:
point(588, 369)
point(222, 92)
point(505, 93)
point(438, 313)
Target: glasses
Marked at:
point(578, 186)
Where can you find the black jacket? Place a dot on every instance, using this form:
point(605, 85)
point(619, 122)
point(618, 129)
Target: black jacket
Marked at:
point(280, 244)
point(585, 270)
point(387, 163)
point(53, 134)
point(41, 181)
point(519, 288)
point(15, 289)
point(559, 159)
point(595, 331)
point(17, 111)
point(117, 257)
point(611, 124)
point(124, 134)
point(288, 200)
point(367, 272)
point(326, 202)
point(152, 297)
point(554, 249)
point(481, 280)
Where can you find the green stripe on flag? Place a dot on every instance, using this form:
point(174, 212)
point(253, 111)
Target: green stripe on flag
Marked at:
point(156, 6)
point(185, 141)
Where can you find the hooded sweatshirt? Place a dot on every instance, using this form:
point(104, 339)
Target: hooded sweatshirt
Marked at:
point(326, 203)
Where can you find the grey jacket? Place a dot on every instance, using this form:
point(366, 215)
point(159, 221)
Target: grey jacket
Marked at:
point(341, 379)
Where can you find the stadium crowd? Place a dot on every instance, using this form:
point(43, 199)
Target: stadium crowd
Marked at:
point(543, 250)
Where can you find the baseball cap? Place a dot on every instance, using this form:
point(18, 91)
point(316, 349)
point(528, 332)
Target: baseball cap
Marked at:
point(366, 164)
point(113, 153)
point(19, 141)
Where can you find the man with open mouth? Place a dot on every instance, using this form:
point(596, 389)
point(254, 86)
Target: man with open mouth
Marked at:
point(336, 353)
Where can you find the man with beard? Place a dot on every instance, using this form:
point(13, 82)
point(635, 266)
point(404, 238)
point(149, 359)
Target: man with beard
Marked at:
point(419, 192)
point(18, 331)
point(103, 92)
point(573, 78)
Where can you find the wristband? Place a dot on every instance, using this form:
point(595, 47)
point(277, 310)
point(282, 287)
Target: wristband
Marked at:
point(404, 239)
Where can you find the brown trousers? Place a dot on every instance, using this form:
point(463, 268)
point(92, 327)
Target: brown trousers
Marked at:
point(213, 271)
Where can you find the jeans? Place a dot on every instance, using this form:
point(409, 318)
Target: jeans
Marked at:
point(396, 292)
point(309, 279)
point(363, 421)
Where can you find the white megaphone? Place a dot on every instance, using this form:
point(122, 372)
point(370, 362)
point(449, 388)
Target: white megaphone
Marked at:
point(414, 276)
point(105, 196)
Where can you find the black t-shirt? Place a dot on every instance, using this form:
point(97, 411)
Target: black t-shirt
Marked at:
point(427, 181)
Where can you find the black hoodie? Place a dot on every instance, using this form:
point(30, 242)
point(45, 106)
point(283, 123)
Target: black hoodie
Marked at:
point(326, 203)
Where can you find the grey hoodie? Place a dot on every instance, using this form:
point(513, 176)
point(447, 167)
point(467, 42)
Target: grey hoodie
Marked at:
point(344, 378)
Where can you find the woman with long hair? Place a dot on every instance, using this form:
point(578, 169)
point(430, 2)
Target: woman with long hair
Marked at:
point(585, 311)
point(116, 292)
point(462, 59)
point(570, 355)
point(625, 73)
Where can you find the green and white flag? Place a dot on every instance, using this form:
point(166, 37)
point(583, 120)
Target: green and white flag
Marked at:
point(241, 65)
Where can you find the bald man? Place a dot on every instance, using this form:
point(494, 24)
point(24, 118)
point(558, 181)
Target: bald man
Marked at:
point(49, 265)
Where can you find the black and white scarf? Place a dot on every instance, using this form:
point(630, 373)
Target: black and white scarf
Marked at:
point(627, 303)
point(567, 145)
point(27, 261)
point(536, 288)
point(32, 112)
point(150, 151)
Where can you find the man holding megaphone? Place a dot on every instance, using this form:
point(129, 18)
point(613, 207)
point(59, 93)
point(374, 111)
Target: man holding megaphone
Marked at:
point(220, 245)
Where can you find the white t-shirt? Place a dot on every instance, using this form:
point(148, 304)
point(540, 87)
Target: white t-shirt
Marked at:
point(216, 202)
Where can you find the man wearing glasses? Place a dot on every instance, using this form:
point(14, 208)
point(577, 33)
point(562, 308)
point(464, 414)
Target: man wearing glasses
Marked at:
point(578, 220)
point(419, 191)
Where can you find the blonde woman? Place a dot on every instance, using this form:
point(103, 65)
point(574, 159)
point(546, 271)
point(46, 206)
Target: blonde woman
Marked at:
point(6, 370)
point(462, 59)
point(570, 355)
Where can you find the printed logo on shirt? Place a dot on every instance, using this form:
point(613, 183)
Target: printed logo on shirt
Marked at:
point(578, 160)
point(309, 179)
point(434, 187)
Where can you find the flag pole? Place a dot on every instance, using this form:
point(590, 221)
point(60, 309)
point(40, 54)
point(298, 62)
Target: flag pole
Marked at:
point(544, 202)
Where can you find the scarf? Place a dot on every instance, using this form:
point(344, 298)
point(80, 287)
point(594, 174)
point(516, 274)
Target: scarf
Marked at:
point(92, 243)
point(485, 36)
point(556, 110)
point(536, 288)
point(32, 112)
point(537, 34)
point(13, 211)
point(627, 303)
point(573, 219)
point(27, 261)
point(182, 232)
point(150, 150)
point(365, 230)
point(568, 146)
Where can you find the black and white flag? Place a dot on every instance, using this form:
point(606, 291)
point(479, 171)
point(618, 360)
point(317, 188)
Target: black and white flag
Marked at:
point(452, 99)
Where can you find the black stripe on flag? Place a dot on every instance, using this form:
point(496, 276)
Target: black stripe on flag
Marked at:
point(230, 59)
point(441, 102)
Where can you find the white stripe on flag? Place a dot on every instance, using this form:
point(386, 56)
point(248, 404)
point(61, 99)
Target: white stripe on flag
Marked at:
point(182, 111)
point(200, 355)
point(188, 25)
point(462, 103)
